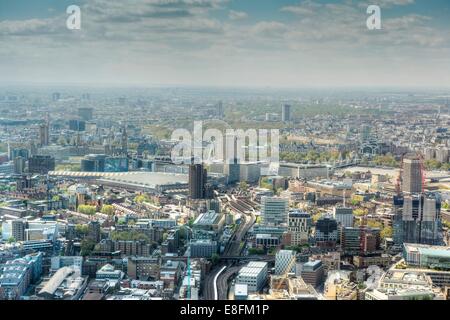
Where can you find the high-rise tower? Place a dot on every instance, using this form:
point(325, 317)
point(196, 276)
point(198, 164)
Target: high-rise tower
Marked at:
point(44, 132)
point(286, 113)
point(197, 181)
point(412, 175)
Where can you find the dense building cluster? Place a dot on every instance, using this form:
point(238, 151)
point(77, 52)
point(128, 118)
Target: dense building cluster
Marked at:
point(93, 206)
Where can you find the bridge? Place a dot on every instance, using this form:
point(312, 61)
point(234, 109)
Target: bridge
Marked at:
point(345, 164)
point(229, 259)
point(267, 258)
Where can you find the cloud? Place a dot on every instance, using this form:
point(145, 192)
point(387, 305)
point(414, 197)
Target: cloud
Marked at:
point(297, 10)
point(387, 3)
point(306, 7)
point(29, 27)
point(345, 23)
point(237, 15)
point(198, 41)
point(269, 28)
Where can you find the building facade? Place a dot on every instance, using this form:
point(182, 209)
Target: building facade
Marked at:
point(274, 211)
point(299, 226)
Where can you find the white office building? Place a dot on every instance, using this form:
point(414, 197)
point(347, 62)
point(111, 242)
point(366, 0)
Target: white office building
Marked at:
point(254, 275)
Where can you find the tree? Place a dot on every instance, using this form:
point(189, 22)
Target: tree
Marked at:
point(432, 164)
point(142, 198)
point(132, 235)
point(316, 217)
point(215, 258)
point(183, 233)
point(243, 185)
point(87, 209)
point(387, 233)
point(82, 229)
point(279, 191)
point(107, 209)
point(86, 246)
point(374, 224)
point(386, 160)
point(298, 248)
point(360, 212)
point(11, 240)
point(253, 251)
point(265, 183)
point(312, 155)
point(371, 224)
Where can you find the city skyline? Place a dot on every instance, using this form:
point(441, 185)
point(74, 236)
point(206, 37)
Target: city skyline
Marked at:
point(227, 43)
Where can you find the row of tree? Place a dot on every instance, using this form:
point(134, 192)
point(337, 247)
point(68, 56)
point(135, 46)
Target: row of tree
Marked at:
point(91, 209)
point(131, 235)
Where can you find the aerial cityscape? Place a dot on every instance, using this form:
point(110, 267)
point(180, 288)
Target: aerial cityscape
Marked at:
point(225, 150)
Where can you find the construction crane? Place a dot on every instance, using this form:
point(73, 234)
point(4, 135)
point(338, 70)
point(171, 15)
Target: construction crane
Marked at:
point(362, 233)
point(422, 170)
point(188, 262)
point(399, 177)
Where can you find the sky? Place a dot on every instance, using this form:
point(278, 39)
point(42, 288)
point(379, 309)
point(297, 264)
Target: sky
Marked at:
point(256, 43)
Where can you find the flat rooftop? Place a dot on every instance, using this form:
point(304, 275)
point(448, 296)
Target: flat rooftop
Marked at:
point(429, 250)
point(148, 179)
point(207, 218)
point(134, 177)
point(411, 278)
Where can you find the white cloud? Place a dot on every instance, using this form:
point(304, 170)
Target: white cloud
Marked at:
point(269, 28)
point(387, 3)
point(237, 15)
point(29, 27)
point(182, 41)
